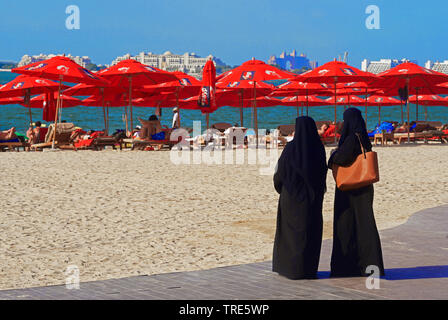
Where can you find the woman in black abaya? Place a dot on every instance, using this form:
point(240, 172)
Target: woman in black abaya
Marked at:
point(300, 180)
point(356, 242)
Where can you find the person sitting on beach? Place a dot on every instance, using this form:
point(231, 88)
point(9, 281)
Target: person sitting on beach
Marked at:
point(8, 134)
point(33, 134)
point(136, 134)
point(234, 135)
point(151, 129)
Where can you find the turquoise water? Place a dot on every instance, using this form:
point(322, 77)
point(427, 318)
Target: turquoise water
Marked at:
point(270, 117)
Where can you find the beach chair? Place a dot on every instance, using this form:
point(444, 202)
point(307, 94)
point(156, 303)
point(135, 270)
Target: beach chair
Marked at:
point(143, 144)
point(13, 145)
point(221, 126)
point(62, 138)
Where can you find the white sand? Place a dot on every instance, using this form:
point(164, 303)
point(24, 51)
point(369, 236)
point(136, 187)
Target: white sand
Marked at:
point(116, 214)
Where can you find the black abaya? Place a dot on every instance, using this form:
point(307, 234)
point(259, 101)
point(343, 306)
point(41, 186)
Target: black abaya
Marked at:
point(356, 242)
point(300, 180)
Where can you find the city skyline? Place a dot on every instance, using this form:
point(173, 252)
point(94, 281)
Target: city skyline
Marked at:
point(233, 31)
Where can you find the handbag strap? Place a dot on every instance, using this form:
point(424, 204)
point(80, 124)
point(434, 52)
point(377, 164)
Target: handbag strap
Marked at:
point(362, 147)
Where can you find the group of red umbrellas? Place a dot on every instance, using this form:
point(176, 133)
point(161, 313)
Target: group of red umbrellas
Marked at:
point(130, 83)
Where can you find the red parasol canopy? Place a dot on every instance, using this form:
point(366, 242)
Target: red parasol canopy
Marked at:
point(335, 72)
point(429, 100)
point(376, 100)
point(66, 101)
point(412, 75)
point(249, 77)
point(11, 100)
point(255, 70)
point(141, 75)
point(302, 101)
point(23, 85)
point(298, 88)
point(132, 74)
point(185, 86)
point(351, 100)
point(60, 69)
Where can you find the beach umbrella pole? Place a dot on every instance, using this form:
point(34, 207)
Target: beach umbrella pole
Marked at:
point(407, 111)
point(241, 107)
point(335, 109)
point(416, 105)
point(130, 104)
point(56, 113)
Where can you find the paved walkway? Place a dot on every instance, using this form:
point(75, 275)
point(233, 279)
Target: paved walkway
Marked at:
point(415, 257)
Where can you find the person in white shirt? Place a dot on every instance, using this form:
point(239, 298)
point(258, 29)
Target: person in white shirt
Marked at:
point(176, 118)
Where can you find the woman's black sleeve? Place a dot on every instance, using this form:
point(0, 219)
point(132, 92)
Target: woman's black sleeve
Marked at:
point(345, 154)
point(278, 184)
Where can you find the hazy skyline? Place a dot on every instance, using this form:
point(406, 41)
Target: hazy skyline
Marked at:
point(233, 31)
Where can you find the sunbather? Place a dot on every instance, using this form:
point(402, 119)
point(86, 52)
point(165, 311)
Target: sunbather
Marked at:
point(8, 134)
point(322, 129)
point(34, 134)
point(151, 129)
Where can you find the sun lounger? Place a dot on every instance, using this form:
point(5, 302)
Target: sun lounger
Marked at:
point(221, 126)
point(62, 138)
point(13, 144)
point(426, 136)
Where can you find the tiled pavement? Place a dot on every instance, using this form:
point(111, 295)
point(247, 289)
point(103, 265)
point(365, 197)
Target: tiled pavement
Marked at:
point(415, 257)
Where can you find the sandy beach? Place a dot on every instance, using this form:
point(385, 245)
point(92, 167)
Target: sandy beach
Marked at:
point(117, 214)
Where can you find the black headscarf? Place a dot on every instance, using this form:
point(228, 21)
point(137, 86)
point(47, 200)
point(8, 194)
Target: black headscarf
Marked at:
point(354, 124)
point(303, 161)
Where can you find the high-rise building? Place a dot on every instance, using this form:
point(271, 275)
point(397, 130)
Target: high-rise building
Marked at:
point(292, 61)
point(437, 66)
point(382, 65)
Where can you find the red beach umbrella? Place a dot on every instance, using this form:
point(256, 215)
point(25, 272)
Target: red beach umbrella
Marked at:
point(414, 79)
point(26, 86)
point(380, 101)
point(185, 86)
point(335, 72)
point(61, 69)
point(298, 88)
point(207, 98)
point(131, 74)
point(429, 100)
point(66, 101)
point(12, 100)
point(23, 85)
point(46, 102)
point(256, 71)
point(345, 101)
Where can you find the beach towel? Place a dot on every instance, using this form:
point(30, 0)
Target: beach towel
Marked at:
point(158, 136)
point(330, 131)
point(383, 127)
point(10, 140)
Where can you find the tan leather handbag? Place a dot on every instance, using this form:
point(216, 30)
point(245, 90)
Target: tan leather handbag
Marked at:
point(361, 173)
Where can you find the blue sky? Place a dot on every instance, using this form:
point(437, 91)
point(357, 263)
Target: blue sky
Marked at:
point(233, 30)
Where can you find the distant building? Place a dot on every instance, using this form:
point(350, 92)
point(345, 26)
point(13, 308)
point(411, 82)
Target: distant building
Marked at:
point(382, 65)
point(189, 63)
point(437, 66)
point(292, 61)
point(26, 59)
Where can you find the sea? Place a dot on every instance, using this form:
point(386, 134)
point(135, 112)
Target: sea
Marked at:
point(268, 117)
